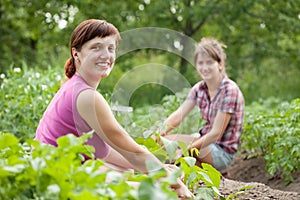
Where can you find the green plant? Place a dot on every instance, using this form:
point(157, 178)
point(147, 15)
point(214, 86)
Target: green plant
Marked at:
point(24, 96)
point(203, 181)
point(272, 130)
point(48, 172)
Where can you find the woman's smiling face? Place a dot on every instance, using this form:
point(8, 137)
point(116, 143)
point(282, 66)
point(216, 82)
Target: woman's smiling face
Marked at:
point(207, 67)
point(97, 57)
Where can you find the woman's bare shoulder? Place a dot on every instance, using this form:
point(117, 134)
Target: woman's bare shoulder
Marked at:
point(90, 97)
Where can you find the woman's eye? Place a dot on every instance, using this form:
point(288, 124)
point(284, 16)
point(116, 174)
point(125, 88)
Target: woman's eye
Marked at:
point(111, 48)
point(96, 48)
point(210, 62)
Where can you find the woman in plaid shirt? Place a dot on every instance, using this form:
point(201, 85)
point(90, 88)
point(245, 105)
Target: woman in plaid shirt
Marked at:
point(221, 104)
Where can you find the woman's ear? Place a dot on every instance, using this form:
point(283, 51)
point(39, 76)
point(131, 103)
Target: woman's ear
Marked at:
point(221, 66)
point(74, 52)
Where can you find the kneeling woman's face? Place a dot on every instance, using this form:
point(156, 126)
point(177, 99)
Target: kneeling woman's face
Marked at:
point(207, 67)
point(97, 57)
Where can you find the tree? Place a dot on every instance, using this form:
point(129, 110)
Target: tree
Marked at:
point(257, 33)
point(253, 30)
point(28, 30)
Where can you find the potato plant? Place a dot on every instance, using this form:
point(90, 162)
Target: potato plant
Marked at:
point(32, 170)
point(272, 130)
point(25, 94)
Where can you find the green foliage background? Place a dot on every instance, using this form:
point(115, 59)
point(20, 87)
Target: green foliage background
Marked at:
point(263, 38)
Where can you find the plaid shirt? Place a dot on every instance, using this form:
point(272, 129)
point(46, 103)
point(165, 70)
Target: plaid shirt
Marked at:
point(228, 99)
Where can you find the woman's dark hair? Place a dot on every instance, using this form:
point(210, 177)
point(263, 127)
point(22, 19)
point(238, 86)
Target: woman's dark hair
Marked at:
point(85, 31)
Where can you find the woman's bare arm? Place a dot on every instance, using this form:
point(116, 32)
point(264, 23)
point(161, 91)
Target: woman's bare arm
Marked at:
point(96, 112)
point(94, 109)
point(220, 123)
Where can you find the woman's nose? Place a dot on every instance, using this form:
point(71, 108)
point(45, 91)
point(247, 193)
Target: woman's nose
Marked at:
point(104, 53)
point(203, 67)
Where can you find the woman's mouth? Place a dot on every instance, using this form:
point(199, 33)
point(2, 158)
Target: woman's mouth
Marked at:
point(103, 65)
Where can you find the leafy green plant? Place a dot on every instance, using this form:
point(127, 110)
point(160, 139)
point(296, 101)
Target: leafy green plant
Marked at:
point(24, 96)
point(272, 130)
point(201, 180)
point(48, 172)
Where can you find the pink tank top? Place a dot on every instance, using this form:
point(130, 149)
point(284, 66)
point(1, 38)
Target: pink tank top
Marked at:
point(61, 117)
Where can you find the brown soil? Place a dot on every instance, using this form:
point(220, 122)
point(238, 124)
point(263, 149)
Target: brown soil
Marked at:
point(251, 172)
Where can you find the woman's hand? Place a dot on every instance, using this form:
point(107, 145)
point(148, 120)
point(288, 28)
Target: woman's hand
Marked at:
point(162, 133)
point(180, 188)
point(182, 191)
point(163, 130)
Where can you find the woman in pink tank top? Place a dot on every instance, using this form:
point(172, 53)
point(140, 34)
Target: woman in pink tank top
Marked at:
point(78, 107)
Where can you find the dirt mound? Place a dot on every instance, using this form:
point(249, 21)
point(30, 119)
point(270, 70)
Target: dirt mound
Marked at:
point(258, 191)
point(251, 172)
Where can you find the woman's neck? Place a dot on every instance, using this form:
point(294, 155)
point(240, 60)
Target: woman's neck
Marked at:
point(89, 81)
point(213, 85)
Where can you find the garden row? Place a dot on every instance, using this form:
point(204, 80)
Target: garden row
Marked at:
point(271, 130)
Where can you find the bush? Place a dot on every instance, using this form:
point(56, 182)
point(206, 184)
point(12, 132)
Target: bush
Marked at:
point(25, 94)
point(272, 130)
